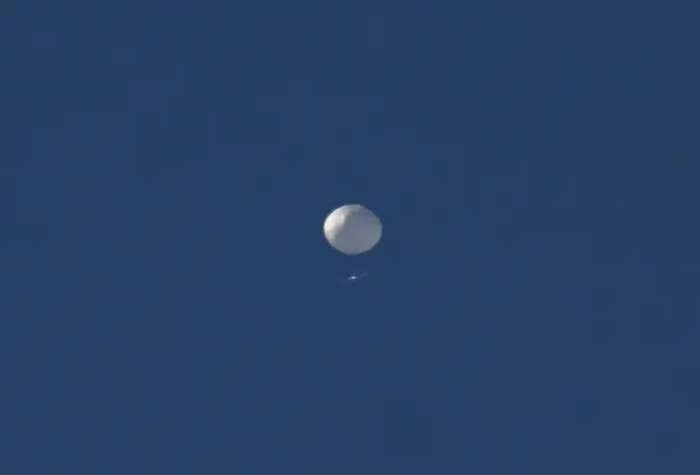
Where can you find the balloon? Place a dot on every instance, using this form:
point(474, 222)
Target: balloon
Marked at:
point(352, 229)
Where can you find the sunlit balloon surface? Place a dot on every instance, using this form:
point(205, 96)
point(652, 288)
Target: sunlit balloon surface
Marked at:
point(352, 229)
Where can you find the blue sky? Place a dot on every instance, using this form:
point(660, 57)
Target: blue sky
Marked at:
point(169, 303)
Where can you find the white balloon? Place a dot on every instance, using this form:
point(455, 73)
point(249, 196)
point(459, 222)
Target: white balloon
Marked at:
point(352, 229)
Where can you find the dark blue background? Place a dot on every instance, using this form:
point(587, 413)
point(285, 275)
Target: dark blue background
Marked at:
point(169, 304)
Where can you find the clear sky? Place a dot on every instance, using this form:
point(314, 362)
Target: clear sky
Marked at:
point(169, 304)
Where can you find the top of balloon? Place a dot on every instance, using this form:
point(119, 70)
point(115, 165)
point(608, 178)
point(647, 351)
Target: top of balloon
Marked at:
point(352, 229)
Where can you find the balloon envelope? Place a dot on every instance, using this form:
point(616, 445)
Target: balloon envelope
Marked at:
point(352, 229)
